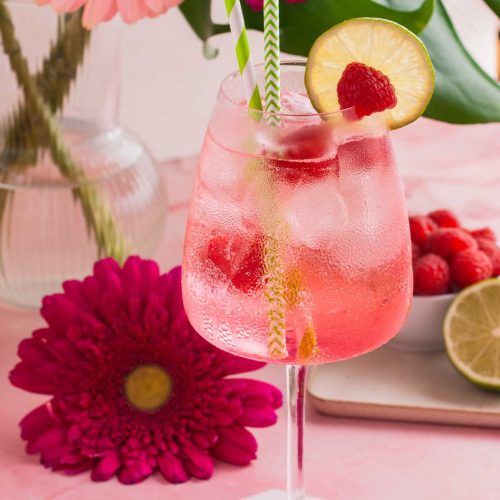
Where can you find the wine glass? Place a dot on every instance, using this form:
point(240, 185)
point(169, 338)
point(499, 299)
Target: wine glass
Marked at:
point(297, 248)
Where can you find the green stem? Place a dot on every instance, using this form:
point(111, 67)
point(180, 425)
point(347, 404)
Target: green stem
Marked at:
point(59, 70)
point(110, 241)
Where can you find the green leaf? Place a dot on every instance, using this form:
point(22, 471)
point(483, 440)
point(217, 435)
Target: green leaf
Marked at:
point(494, 5)
point(302, 23)
point(464, 92)
point(197, 14)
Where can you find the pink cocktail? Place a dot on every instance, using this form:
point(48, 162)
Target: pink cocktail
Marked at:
point(344, 254)
point(297, 248)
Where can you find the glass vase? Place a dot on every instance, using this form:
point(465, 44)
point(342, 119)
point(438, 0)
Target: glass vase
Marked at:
point(75, 186)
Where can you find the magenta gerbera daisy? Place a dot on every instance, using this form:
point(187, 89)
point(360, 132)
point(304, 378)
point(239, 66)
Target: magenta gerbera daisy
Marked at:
point(134, 388)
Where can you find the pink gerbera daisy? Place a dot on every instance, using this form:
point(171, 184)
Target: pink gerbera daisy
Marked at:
point(134, 388)
point(97, 11)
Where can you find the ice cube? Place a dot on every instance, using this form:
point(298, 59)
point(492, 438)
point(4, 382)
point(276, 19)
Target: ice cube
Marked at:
point(373, 207)
point(315, 212)
point(270, 140)
point(217, 210)
point(296, 103)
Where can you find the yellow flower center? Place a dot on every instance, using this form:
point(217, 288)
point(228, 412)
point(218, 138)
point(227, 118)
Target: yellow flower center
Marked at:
point(148, 387)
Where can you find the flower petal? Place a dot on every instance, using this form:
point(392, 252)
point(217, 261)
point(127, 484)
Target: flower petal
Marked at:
point(107, 271)
point(172, 468)
point(24, 377)
point(31, 351)
point(169, 287)
point(171, 3)
point(255, 5)
point(252, 390)
point(198, 464)
point(232, 365)
point(228, 452)
point(59, 312)
point(72, 457)
point(204, 439)
point(53, 438)
point(73, 469)
point(235, 446)
point(258, 417)
point(132, 10)
point(155, 6)
point(140, 274)
point(36, 422)
point(106, 467)
point(74, 290)
point(239, 437)
point(135, 472)
point(52, 457)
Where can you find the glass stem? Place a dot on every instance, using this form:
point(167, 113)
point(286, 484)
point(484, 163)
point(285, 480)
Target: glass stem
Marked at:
point(295, 378)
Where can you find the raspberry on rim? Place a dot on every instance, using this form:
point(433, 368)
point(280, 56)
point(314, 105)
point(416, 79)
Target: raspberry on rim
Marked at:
point(365, 89)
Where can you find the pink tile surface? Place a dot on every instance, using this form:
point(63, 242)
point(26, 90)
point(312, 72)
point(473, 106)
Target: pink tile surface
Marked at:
point(345, 459)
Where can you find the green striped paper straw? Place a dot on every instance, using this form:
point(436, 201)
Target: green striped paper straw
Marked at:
point(275, 291)
point(245, 63)
point(272, 59)
point(275, 272)
point(275, 287)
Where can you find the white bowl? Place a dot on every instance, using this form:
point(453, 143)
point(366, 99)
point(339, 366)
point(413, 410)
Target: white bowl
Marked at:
point(423, 329)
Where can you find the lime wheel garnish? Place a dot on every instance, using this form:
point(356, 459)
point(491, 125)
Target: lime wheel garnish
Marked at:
point(370, 65)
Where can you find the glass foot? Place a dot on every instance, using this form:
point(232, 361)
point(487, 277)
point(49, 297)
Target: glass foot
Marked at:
point(273, 495)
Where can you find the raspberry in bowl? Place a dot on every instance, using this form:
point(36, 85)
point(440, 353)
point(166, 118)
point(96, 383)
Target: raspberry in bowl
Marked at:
point(446, 258)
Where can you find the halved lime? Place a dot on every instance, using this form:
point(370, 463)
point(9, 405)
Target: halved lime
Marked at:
point(472, 333)
point(381, 44)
